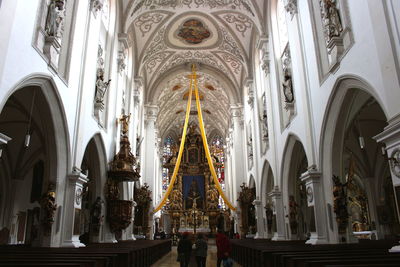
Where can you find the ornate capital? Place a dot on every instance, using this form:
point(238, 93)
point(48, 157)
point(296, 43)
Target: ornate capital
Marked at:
point(151, 112)
point(291, 7)
point(237, 111)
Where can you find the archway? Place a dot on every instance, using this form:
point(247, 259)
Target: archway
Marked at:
point(300, 218)
point(267, 185)
point(34, 163)
point(92, 214)
point(351, 153)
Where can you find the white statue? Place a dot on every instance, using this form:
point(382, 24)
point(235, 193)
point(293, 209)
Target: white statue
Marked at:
point(331, 19)
point(55, 18)
point(101, 86)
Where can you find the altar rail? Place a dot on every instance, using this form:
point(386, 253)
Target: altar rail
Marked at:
point(267, 253)
point(141, 253)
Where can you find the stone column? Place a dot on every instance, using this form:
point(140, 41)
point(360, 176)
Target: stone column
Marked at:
point(279, 214)
point(238, 154)
point(315, 201)
point(72, 209)
point(391, 138)
point(259, 217)
point(150, 157)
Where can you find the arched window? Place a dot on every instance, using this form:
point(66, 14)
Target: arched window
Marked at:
point(167, 153)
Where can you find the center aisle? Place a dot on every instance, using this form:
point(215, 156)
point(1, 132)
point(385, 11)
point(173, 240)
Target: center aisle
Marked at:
point(169, 260)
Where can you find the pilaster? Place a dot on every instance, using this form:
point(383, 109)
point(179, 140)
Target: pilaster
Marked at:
point(259, 217)
point(278, 211)
point(315, 200)
point(391, 138)
point(73, 206)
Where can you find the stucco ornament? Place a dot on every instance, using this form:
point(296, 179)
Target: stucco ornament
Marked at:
point(291, 7)
point(97, 5)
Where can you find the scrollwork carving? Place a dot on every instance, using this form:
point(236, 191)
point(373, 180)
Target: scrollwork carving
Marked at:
point(145, 22)
point(242, 23)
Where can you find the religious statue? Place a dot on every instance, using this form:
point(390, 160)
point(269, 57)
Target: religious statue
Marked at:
point(124, 120)
point(340, 203)
point(269, 215)
point(175, 199)
point(330, 19)
point(101, 86)
point(49, 206)
point(287, 86)
point(212, 197)
point(293, 215)
point(55, 19)
point(95, 214)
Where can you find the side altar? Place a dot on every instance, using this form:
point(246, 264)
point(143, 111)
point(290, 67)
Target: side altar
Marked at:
point(193, 204)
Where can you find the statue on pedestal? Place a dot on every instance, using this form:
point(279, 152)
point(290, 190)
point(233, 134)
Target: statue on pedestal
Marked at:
point(55, 19)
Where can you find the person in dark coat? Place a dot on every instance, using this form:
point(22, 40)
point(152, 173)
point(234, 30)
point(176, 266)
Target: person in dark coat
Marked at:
point(201, 251)
point(223, 247)
point(184, 250)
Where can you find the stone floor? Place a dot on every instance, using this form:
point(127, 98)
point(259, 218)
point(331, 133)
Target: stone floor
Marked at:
point(169, 260)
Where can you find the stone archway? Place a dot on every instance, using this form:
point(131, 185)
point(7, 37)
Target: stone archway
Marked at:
point(350, 152)
point(269, 214)
point(94, 165)
point(299, 218)
point(34, 163)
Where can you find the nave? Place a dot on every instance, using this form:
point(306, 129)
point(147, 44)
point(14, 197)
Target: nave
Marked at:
point(169, 260)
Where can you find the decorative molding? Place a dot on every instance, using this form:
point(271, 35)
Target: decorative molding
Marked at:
point(209, 4)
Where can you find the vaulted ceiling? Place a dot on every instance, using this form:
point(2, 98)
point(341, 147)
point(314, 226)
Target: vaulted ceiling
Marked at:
point(169, 35)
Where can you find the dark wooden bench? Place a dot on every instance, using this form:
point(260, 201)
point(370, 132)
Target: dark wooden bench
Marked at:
point(268, 253)
point(140, 253)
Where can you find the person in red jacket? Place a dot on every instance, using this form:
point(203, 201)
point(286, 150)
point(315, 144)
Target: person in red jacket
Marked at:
point(223, 247)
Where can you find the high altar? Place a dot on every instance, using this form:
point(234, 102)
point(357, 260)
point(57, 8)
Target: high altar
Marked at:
point(193, 201)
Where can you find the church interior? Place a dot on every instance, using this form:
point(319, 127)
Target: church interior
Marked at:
point(129, 124)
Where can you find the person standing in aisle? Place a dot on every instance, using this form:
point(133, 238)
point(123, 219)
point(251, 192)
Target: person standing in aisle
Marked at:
point(201, 251)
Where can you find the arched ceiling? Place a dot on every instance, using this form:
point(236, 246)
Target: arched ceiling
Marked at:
point(171, 34)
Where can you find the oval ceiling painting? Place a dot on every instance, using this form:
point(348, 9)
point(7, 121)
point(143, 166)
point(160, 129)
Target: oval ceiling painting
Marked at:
point(193, 31)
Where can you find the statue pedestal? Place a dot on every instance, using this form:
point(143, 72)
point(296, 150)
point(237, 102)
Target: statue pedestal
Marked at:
point(73, 209)
point(51, 50)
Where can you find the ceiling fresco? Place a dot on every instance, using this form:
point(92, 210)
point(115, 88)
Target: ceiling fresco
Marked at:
point(170, 35)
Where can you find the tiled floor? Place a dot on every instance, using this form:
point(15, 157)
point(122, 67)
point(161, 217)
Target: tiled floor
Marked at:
point(169, 260)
